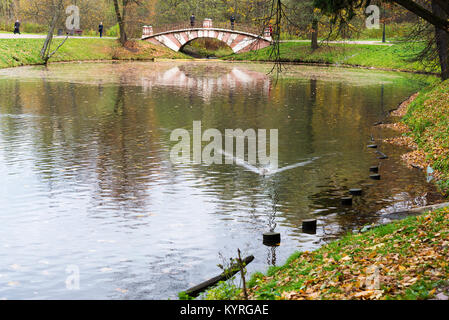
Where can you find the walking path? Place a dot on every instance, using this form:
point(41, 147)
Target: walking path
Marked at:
point(43, 36)
point(368, 42)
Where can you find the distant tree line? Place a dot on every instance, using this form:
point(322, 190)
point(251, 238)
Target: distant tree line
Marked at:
point(133, 14)
point(312, 19)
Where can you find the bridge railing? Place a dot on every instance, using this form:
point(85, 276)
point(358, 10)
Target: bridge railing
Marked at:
point(220, 25)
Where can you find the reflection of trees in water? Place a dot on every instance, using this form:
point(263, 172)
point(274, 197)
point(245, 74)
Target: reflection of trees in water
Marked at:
point(11, 129)
point(272, 213)
point(127, 151)
point(271, 255)
point(119, 140)
point(248, 184)
point(332, 119)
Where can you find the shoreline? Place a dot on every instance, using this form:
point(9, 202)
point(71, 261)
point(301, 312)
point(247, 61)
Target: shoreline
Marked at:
point(403, 106)
point(336, 65)
point(434, 288)
point(143, 51)
point(393, 58)
point(26, 52)
point(387, 262)
point(403, 139)
point(311, 64)
point(422, 155)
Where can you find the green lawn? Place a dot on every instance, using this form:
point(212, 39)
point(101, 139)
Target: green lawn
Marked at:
point(18, 52)
point(407, 259)
point(395, 57)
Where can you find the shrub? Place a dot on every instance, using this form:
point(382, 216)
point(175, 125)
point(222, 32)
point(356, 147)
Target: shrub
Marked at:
point(113, 31)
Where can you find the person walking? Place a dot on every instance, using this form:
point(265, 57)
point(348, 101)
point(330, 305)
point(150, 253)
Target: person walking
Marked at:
point(17, 27)
point(232, 22)
point(192, 20)
point(100, 29)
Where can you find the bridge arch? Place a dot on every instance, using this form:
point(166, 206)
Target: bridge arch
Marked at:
point(238, 41)
point(205, 37)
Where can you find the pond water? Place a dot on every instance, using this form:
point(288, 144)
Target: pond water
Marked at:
point(87, 184)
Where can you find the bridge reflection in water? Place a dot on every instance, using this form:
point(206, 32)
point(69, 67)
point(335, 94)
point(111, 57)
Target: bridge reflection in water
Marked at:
point(206, 85)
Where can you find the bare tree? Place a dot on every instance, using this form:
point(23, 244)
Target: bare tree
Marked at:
point(7, 8)
point(121, 16)
point(56, 7)
point(47, 12)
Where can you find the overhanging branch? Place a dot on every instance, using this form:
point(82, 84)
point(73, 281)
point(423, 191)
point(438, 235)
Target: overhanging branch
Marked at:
point(424, 13)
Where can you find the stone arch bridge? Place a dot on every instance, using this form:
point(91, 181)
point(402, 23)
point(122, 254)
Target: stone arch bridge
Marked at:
point(176, 37)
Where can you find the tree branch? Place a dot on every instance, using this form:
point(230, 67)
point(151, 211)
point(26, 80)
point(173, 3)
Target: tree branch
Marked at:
point(425, 14)
point(59, 46)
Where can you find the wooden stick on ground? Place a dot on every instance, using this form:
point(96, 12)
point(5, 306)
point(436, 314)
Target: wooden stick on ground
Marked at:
point(226, 275)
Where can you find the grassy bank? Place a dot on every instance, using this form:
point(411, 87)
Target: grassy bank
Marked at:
point(427, 118)
point(18, 52)
point(395, 57)
point(407, 259)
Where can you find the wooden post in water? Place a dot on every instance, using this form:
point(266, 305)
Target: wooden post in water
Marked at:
point(355, 192)
point(271, 238)
point(309, 225)
point(346, 201)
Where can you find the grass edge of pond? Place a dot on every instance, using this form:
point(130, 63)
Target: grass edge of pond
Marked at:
point(396, 57)
point(22, 52)
point(426, 117)
point(337, 270)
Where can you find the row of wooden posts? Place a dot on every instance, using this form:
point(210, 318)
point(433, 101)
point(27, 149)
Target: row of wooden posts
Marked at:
point(310, 225)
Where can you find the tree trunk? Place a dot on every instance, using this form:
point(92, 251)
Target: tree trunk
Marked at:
point(45, 51)
point(442, 39)
point(123, 36)
point(314, 33)
point(121, 22)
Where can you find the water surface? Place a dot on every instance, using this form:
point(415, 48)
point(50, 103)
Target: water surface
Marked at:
point(86, 179)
